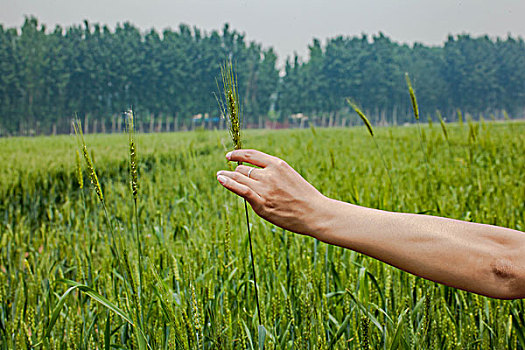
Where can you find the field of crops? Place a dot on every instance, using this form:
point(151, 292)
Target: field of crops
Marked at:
point(71, 278)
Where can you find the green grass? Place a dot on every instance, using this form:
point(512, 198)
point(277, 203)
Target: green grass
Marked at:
point(197, 290)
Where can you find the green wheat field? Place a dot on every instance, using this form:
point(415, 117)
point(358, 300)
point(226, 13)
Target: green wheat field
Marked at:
point(173, 272)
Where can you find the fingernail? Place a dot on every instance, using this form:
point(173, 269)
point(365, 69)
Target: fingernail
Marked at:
point(228, 155)
point(221, 179)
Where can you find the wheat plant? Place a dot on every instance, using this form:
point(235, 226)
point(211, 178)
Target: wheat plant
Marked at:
point(231, 109)
point(415, 109)
point(371, 132)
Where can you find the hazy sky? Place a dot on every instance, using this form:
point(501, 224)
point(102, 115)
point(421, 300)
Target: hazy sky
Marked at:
point(289, 25)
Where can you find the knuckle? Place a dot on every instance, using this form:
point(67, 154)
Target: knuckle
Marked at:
point(266, 206)
point(269, 203)
point(245, 192)
point(262, 211)
point(281, 164)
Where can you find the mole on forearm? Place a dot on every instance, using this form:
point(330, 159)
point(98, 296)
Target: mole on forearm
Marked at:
point(503, 269)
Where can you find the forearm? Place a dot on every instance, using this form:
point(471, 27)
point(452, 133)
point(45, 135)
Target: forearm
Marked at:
point(479, 258)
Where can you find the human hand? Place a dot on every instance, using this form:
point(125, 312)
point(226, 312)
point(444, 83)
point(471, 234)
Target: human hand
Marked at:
point(275, 191)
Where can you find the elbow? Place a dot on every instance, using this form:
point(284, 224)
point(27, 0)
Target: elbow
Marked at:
point(509, 277)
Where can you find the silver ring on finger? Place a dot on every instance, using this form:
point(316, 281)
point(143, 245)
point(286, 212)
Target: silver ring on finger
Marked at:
point(249, 172)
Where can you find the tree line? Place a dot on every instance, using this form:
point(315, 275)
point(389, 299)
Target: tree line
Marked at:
point(169, 78)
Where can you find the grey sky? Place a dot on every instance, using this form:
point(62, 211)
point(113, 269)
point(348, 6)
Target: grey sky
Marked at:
point(289, 25)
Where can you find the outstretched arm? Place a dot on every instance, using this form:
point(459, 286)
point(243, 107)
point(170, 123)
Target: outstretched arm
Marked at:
point(484, 259)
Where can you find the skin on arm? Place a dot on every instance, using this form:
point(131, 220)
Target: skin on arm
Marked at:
point(484, 259)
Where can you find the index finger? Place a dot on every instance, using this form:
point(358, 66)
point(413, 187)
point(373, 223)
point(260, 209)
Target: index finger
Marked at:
point(251, 156)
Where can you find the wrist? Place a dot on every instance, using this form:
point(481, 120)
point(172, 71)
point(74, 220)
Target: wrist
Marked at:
point(325, 219)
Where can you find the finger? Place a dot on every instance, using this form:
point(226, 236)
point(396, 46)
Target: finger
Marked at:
point(238, 177)
point(248, 171)
point(240, 190)
point(251, 156)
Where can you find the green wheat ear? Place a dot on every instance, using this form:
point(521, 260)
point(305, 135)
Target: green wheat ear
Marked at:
point(443, 126)
point(361, 115)
point(412, 96)
point(78, 172)
point(460, 116)
point(230, 106)
point(89, 163)
point(132, 154)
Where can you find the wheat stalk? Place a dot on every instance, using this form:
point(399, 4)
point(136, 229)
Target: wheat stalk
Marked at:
point(124, 268)
point(133, 172)
point(415, 108)
point(371, 132)
point(231, 110)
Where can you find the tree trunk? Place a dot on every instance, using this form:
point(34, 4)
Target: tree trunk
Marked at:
point(151, 123)
point(119, 124)
point(383, 118)
point(103, 125)
point(113, 124)
point(394, 116)
point(95, 124)
point(86, 126)
point(159, 124)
